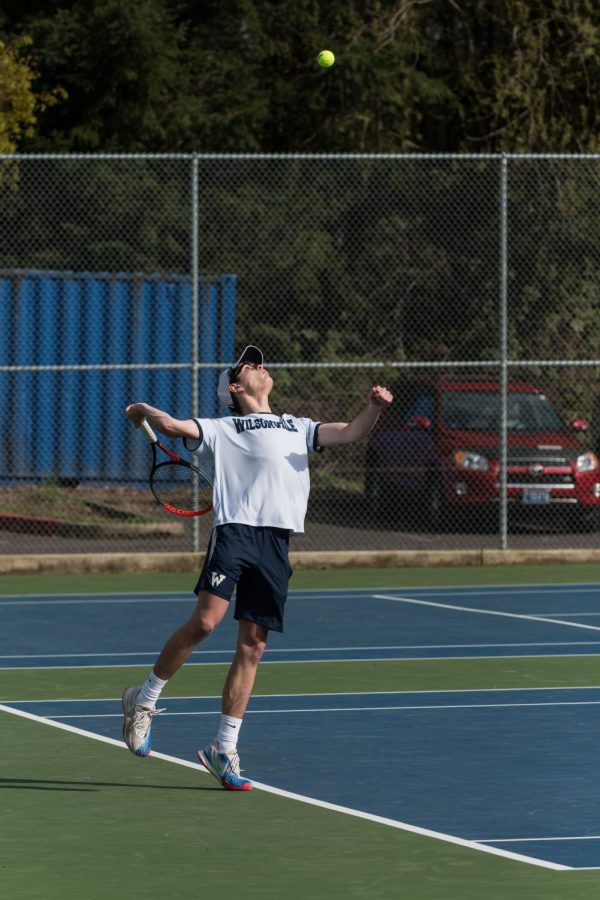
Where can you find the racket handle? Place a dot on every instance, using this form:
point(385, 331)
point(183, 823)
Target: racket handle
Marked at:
point(148, 432)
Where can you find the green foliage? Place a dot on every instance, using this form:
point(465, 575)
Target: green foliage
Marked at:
point(541, 95)
point(166, 75)
point(20, 102)
point(388, 259)
point(338, 260)
point(119, 60)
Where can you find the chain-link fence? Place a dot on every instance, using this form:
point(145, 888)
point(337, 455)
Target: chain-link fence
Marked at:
point(468, 285)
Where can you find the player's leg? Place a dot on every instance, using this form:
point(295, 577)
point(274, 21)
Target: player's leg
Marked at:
point(139, 703)
point(215, 586)
point(259, 608)
point(209, 611)
point(220, 757)
point(251, 644)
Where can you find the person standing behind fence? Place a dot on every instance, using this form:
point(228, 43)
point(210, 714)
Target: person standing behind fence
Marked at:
point(261, 488)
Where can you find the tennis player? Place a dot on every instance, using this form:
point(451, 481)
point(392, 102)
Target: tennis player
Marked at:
point(260, 494)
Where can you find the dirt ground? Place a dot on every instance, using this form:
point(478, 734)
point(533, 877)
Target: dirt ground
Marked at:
point(79, 503)
point(54, 518)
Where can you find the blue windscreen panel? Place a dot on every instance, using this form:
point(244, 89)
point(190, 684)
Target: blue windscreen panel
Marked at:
point(69, 423)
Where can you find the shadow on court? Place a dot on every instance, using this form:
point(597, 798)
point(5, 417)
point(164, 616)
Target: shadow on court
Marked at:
point(43, 784)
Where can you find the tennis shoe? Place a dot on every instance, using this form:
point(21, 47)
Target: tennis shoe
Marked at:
point(137, 722)
point(225, 767)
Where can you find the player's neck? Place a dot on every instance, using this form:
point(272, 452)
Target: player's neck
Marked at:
point(252, 405)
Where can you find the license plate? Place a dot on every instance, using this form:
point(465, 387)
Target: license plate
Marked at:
point(536, 496)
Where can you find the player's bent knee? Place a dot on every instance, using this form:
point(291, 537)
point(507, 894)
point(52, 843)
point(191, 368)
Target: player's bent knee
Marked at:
point(252, 651)
point(257, 652)
point(200, 627)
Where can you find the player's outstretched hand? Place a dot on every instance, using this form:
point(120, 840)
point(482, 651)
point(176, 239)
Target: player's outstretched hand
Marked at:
point(134, 414)
point(380, 396)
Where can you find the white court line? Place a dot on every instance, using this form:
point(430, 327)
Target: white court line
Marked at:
point(392, 823)
point(428, 692)
point(501, 589)
point(582, 587)
point(81, 602)
point(137, 653)
point(81, 594)
point(571, 615)
point(346, 649)
point(537, 587)
point(302, 662)
point(487, 612)
point(533, 840)
point(91, 599)
point(587, 868)
point(344, 709)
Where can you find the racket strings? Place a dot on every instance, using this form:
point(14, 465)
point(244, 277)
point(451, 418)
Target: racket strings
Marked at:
point(181, 487)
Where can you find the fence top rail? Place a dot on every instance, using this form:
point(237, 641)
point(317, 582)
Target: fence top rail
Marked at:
point(10, 157)
point(373, 364)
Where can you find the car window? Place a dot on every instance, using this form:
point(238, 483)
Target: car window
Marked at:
point(480, 411)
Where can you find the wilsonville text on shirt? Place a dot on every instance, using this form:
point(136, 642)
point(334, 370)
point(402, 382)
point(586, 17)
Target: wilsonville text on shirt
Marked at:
point(253, 424)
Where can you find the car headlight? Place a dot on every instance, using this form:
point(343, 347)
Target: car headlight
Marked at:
point(467, 459)
point(587, 462)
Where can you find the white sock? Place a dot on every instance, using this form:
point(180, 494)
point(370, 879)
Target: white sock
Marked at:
point(227, 735)
point(150, 691)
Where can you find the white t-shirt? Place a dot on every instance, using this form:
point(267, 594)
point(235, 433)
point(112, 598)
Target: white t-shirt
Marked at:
point(259, 468)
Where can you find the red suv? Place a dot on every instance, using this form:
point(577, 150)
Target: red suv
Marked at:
point(436, 450)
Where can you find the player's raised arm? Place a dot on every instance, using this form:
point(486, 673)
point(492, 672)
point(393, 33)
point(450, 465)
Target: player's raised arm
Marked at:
point(331, 433)
point(161, 421)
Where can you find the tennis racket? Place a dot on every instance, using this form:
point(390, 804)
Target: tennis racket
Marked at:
point(178, 486)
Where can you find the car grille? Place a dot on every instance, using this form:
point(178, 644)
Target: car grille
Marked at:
point(545, 468)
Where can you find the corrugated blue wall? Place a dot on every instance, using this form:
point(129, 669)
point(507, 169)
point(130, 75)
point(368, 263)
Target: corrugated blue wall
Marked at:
point(71, 424)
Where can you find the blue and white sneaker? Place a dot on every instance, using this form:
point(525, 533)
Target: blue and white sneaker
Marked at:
point(137, 722)
point(225, 767)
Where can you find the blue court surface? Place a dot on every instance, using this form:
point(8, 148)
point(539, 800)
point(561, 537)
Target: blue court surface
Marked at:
point(514, 770)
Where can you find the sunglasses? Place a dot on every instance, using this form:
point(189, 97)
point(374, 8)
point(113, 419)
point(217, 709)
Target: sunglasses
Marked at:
point(233, 373)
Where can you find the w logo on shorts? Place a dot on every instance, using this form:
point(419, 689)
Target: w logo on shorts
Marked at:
point(216, 579)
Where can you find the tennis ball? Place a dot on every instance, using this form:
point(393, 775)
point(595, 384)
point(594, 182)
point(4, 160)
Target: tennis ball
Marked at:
point(326, 58)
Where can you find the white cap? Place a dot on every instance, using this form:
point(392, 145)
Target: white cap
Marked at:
point(250, 354)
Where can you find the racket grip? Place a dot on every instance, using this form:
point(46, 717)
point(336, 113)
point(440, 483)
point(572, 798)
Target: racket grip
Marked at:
point(148, 432)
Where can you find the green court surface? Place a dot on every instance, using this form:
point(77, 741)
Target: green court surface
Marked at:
point(85, 819)
point(306, 678)
point(305, 579)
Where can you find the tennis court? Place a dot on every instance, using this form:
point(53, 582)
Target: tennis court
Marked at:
point(420, 741)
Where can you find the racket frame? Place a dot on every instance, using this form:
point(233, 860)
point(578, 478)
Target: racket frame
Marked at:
point(174, 458)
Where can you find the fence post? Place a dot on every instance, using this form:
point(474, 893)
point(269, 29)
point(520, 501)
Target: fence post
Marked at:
point(503, 457)
point(195, 319)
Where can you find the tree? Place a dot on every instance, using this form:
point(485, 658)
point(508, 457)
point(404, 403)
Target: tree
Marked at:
point(525, 73)
point(170, 75)
point(20, 103)
point(119, 60)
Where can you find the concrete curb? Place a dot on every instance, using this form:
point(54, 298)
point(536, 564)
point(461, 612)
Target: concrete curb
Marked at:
point(83, 563)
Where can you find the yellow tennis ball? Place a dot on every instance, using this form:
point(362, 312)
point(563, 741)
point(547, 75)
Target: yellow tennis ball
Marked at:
point(326, 58)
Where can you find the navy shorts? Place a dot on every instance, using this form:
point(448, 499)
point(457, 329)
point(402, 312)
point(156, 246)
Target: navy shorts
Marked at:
point(255, 558)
